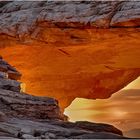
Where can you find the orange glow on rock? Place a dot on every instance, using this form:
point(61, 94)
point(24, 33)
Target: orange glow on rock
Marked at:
point(94, 67)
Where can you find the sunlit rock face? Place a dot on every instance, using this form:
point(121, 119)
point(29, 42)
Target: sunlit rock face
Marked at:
point(63, 51)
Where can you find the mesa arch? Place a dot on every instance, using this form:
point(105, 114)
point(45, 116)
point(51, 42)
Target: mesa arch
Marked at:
point(70, 57)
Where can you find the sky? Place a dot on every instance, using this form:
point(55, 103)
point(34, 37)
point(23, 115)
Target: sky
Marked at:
point(122, 109)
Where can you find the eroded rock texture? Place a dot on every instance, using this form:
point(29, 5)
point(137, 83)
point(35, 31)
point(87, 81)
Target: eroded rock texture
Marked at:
point(16, 104)
point(48, 129)
point(72, 49)
point(31, 117)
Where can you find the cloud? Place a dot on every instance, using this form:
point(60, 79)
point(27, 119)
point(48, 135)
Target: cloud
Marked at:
point(121, 110)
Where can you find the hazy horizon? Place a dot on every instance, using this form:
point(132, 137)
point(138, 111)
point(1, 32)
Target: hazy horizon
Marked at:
point(120, 110)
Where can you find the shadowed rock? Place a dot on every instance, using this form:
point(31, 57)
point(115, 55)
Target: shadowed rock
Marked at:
point(46, 129)
point(26, 106)
point(84, 62)
point(11, 72)
point(14, 103)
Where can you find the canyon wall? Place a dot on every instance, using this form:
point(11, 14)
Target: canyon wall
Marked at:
point(87, 49)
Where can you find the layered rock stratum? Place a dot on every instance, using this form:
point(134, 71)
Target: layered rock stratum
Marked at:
point(23, 116)
point(87, 49)
point(14, 102)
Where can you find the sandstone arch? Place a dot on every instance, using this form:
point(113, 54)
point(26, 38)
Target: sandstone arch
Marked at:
point(71, 58)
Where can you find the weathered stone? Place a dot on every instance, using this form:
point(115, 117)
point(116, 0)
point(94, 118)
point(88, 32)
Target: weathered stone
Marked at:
point(49, 130)
point(6, 137)
point(27, 130)
point(5, 127)
point(16, 104)
point(127, 15)
point(27, 136)
point(9, 84)
point(68, 55)
point(64, 14)
point(3, 75)
point(23, 105)
point(98, 127)
point(100, 135)
point(88, 126)
point(10, 72)
point(3, 117)
point(50, 135)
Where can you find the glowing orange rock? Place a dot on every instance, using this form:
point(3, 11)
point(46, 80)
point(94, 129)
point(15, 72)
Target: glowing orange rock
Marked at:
point(66, 58)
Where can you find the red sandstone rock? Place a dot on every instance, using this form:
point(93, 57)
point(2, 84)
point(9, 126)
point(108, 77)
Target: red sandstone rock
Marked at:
point(62, 52)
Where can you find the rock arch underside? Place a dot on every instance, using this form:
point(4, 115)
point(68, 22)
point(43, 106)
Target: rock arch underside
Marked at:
point(72, 49)
point(63, 50)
